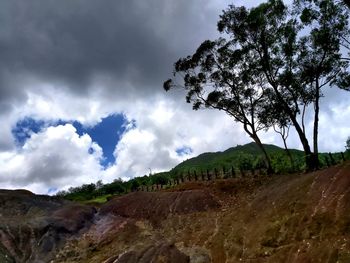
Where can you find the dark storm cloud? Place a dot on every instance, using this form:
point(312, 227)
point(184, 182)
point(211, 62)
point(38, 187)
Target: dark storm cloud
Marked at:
point(70, 42)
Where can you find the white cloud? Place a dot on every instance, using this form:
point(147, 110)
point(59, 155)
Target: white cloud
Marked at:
point(59, 158)
point(6, 139)
point(54, 158)
point(53, 103)
point(162, 129)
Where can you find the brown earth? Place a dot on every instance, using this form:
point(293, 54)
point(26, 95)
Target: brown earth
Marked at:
point(158, 206)
point(33, 227)
point(290, 218)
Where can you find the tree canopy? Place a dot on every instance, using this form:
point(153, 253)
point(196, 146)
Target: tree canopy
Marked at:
point(271, 64)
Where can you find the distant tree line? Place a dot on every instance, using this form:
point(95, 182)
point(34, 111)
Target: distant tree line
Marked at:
point(246, 165)
point(117, 187)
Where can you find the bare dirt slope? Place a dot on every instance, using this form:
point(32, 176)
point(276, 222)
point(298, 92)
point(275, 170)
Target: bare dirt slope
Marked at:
point(33, 228)
point(291, 218)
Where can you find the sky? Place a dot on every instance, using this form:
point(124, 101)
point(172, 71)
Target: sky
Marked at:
point(81, 95)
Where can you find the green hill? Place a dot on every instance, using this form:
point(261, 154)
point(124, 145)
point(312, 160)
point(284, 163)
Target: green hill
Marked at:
point(235, 161)
point(235, 156)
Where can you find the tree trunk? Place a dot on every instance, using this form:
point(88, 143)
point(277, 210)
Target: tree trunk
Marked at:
point(303, 118)
point(284, 135)
point(262, 148)
point(311, 163)
point(317, 110)
point(256, 139)
point(288, 152)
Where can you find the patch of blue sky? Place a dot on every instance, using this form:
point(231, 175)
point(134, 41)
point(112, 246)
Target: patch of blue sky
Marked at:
point(106, 133)
point(184, 150)
point(52, 191)
point(24, 128)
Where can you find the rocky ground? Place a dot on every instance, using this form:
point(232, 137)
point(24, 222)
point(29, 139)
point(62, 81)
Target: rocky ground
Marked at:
point(287, 218)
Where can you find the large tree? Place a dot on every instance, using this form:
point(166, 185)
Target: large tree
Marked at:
point(320, 58)
point(272, 55)
point(211, 82)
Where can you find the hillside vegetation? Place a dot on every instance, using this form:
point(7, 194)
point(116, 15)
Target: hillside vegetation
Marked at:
point(239, 161)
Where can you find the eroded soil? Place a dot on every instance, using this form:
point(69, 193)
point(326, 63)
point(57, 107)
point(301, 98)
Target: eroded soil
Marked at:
point(290, 218)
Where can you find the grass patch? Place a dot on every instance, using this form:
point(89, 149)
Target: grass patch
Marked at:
point(100, 199)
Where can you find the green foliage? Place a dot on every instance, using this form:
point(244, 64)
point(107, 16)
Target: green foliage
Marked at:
point(160, 178)
point(245, 161)
point(230, 157)
point(81, 193)
point(281, 163)
point(115, 187)
point(92, 191)
point(259, 163)
point(99, 199)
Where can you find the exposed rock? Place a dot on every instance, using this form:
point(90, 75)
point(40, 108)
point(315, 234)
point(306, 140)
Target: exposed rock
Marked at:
point(33, 227)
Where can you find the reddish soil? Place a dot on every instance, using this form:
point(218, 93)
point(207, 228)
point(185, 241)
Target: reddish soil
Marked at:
point(287, 218)
point(157, 206)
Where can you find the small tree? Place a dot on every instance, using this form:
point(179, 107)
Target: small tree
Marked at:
point(245, 162)
point(134, 185)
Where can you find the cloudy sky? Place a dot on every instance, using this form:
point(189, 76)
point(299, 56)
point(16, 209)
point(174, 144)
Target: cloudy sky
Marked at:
point(81, 95)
